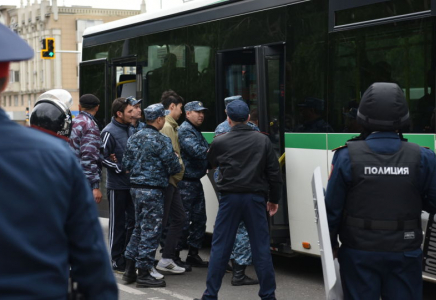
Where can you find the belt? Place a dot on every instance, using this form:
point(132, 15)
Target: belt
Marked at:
point(190, 179)
point(146, 186)
point(368, 224)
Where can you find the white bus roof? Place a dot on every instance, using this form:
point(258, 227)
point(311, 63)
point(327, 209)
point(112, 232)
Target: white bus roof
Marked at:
point(149, 16)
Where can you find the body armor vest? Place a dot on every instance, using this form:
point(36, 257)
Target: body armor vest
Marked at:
point(383, 206)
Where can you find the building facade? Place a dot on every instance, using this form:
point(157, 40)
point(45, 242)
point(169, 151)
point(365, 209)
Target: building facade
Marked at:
point(35, 22)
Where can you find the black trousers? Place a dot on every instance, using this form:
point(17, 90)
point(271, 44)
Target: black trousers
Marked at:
point(175, 213)
point(121, 224)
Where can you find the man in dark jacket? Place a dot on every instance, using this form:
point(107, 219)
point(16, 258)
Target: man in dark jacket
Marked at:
point(86, 142)
point(121, 209)
point(48, 219)
point(244, 188)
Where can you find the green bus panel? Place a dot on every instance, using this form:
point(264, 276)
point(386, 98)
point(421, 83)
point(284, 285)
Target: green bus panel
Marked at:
point(319, 141)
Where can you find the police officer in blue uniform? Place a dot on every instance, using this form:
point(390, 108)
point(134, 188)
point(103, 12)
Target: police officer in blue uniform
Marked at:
point(150, 160)
point(378, 186)
point(136, 124)
point(241, 255)
point(48, 218)
point(193, 149)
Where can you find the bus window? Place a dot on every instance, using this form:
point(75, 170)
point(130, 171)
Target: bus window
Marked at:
point(399, 53)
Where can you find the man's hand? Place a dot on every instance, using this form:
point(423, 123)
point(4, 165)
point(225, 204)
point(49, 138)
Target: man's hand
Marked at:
point(97, 195)
point(113, 158)
point(272, 208)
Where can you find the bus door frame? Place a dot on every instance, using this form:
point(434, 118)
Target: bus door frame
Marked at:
point(105, 64)
point(125, 61)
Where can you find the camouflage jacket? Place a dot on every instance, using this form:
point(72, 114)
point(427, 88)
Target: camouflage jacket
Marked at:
point(86, 143)
point(150, 158)
point(134, 129)
point(193, 149)
point(222, 128)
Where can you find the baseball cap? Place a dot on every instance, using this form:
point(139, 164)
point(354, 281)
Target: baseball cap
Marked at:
point(238, 111)
point(154, 111)
point(194, 106)
point(89, 101)
point(231, 99)
point(132, 101)
point(13, 48)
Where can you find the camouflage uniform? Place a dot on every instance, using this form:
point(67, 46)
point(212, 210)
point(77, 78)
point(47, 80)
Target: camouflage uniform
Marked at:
point(86, 143)
point(151, 160)
point(193, 147)
point(134, 129)
point(241, 249)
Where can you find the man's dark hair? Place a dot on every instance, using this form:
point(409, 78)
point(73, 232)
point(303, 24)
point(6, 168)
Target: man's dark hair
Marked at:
point(169, 97)
point(119, 104)
point(254, 115)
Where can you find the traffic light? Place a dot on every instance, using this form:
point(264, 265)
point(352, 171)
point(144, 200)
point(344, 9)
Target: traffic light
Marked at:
point(48, 48)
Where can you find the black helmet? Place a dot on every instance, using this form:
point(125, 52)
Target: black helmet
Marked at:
point(52, 112)
point(383, 108)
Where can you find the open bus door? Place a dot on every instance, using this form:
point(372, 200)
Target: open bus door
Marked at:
point(257, 74)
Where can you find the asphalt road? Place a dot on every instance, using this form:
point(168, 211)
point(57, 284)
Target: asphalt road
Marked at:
point(298, 278)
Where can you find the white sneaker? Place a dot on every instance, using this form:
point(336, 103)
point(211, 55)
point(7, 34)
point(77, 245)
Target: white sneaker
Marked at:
point(154, 273)
point(170, 266)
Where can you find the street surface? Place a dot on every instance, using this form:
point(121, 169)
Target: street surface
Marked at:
point(298, 278)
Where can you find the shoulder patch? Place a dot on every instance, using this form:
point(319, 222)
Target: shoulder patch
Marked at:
point(339, 148)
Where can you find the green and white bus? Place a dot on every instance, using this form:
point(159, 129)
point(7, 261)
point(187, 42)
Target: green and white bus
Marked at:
point(299, 62)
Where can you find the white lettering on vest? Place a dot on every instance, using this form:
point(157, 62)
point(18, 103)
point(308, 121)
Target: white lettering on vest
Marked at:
point(386, 171)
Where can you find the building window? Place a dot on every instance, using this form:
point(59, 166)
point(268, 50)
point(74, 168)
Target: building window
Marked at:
point(22, 100)
point(14, 76)
point(4, 101)
point(10, 100)
point(15, 100)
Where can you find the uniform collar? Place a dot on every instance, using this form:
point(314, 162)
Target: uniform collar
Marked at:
point(151, 127)
point(195, 127)
point(383, 135)
point(88, 114)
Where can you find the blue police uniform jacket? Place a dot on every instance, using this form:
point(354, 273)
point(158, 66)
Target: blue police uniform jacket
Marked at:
point(150, 158)
point(114, 137)
point(193, 149)
point(134, 129)
point(341, 178)
point(48, 220)
point(222, 128)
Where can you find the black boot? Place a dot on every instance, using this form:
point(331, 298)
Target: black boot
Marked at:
point(129, 275)
point(195, 260)
point(146, 280)
point(239, 277)
point(180, 263)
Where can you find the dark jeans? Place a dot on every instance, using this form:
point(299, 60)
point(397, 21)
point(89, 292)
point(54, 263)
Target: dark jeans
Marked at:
point(174, 211)
point(250, 208)
point(121, 224)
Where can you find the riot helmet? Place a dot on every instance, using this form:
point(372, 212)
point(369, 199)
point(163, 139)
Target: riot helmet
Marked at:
point(52, 112)
point(383, 108)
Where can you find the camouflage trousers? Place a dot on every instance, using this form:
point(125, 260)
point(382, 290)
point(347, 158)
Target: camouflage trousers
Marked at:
point(149, 205)
point(242, 249)
point(193, 201)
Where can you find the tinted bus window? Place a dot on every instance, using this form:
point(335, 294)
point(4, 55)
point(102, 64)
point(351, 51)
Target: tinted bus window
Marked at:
point(400, 53)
